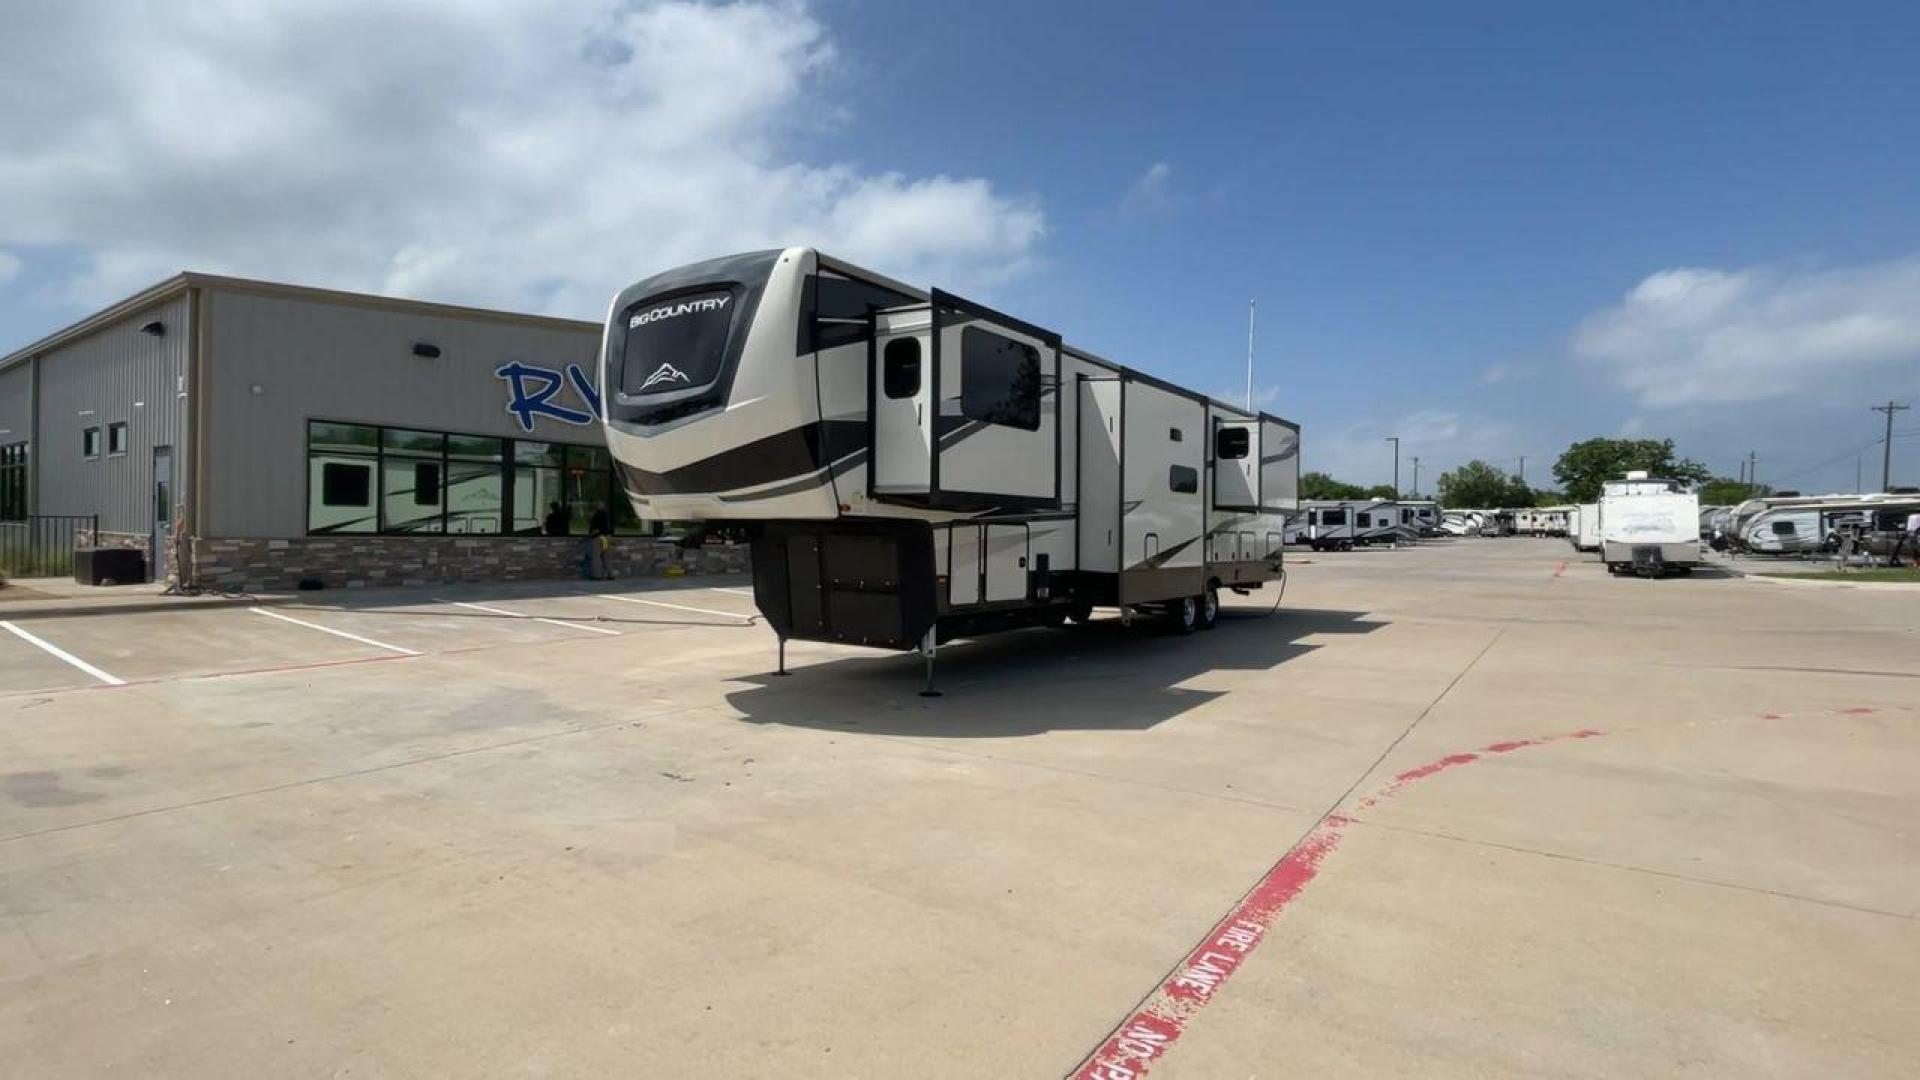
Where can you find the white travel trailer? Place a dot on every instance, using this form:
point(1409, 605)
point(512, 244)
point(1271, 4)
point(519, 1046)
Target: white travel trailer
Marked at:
point(912, 467)
point(1425, 516)
point(1583, 527)
point(1649, 526)
point(1782, 530)
point(1344, 524)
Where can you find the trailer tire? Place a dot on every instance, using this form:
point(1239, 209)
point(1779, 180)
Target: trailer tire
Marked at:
point(1183, 615)
point(1209, 607)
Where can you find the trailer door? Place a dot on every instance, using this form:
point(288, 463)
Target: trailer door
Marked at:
point(996, 427)
point(900, 403)
point(1236, 464)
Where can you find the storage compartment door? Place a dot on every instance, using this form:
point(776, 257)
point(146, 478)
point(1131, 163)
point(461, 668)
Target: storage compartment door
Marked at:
point(1007, 557)
point(901, 403)
point(1279, 465)
point(997, 430)
point(963, 564)
point(1236, 464)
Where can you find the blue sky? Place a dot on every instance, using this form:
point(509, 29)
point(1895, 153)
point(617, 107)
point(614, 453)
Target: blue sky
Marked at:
point(1489, 228)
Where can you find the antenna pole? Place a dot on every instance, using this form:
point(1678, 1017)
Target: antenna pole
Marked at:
point(1249, 355)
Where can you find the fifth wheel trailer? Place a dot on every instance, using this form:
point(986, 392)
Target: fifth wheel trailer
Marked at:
point(913, 467)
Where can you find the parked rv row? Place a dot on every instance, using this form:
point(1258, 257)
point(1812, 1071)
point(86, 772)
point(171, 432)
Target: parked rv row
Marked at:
point(1345, 524)
point(1523, 521)
point(1870, 525)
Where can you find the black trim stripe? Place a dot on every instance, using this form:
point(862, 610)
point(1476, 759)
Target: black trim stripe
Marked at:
point(788, 455)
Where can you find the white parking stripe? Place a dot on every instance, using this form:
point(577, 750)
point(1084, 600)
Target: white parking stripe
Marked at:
point(676, 607)
point(57, 651)
point(736, 592)
point(535, 618)
point(335, 633)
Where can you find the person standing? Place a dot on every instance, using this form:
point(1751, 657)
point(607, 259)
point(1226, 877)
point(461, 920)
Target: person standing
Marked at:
point(599, 542)
point(556, 520)
point(1909, 540)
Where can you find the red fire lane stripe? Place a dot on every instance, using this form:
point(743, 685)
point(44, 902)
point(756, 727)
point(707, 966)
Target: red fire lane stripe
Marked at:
point(1157, 1024)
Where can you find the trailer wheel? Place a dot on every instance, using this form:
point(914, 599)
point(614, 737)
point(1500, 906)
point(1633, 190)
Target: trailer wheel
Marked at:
point(1209, 607)
point(1183, 615)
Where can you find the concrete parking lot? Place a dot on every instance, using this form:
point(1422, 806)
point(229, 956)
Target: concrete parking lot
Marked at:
point(1467, 809)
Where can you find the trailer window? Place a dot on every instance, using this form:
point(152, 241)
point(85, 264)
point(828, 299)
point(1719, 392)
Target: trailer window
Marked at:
point(999, 380)
point(901, 367)
point(1783, 528)
point(1364, 521)
point(1230, 443)
point(1333, 517)
point(1183, 480)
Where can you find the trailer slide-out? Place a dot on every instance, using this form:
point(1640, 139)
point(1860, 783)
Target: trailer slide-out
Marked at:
point(913, 467)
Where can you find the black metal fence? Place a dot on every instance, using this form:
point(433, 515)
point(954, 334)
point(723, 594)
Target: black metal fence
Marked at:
point(42, 545)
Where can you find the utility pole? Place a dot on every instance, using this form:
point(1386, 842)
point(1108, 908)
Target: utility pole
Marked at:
point(1743, 472)
point(1416, 476)
point(1886, 454)
point(1395, 440)
point(1523, 469)
point(1753, 470)
point(1249, 355)
point(1857, 459)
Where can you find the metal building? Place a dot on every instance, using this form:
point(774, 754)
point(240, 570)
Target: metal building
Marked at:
point(251, 434)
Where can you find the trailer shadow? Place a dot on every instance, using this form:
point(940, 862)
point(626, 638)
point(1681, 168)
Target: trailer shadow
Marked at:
point(1100, 677)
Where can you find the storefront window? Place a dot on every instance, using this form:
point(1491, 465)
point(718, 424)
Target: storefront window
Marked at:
point(13, 482)
point(367, 479)
point(409, 495)
point(341, 462)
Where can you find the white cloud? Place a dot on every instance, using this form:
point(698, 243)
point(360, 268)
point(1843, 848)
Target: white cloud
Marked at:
point(1702, 336)
point(9, 267)
point(1496, 373)
point(535, 154)
point(1150, 193)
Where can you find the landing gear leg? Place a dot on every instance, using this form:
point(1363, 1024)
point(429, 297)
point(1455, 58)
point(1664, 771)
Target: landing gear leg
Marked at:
point(927, 646)
point(783, 658)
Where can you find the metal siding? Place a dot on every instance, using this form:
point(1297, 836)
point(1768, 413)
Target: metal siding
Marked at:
point(116, 373)
point(16, 403)
point(319, 360)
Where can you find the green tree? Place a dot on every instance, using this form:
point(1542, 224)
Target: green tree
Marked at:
point(1478, 484)
point(1721, 491)
point(1587, 465)
point(1318, 485)
point(1381, 491)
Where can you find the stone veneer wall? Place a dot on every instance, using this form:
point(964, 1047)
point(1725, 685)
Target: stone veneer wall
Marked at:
point(354, 562)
